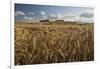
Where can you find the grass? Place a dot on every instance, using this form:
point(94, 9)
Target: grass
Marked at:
point(41, 44)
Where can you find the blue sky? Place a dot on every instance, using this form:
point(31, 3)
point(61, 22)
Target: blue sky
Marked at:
point(35, 13)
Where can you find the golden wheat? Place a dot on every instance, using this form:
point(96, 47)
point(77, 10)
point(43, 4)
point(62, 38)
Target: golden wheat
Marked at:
point(40, 44)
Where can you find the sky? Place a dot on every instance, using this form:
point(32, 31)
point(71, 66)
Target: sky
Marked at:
point(35, 13)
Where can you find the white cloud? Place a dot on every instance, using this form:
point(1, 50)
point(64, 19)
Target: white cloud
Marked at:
point(76, 17)
point(31, 13)
point(44, 17)
point(65, 17)
point(18, 13)
point(60, 16)
point(87, 16)
point(68, 17)
point(28, 18)
point(90, 10)
point(42, 13)
point(89, 13)
point(71, 17)
point(52, 15)
point(88, 20)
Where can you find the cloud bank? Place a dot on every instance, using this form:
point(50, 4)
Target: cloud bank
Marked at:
point(19, 13)
point(86, 16)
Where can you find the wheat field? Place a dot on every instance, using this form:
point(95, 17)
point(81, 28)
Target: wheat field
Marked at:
point(42, 44)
